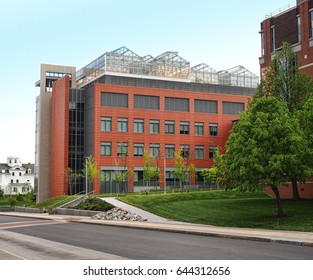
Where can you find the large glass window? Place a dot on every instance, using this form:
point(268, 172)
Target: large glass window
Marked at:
point(184, 128)
point(233, 108)
point(154, 126)
point(106, 124)
point(176, 104)
point(154, 150)
point(147, 102)
point(213, 129)
point(138, 125)
point(205, 106)
point(114, 99)
point(199, 128)
point(138, 150)
point(169, 151)
point(106, 149)
point(169, 127)
point(122, 125)
point(199, 152)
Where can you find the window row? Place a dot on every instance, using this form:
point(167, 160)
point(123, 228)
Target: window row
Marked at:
point(154, 126)
point(149, 102)
point(154, 150)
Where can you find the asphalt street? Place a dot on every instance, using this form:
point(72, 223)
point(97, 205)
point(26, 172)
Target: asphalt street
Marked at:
point(67, 240)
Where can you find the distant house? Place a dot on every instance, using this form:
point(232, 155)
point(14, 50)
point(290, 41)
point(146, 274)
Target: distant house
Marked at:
point(16, 177)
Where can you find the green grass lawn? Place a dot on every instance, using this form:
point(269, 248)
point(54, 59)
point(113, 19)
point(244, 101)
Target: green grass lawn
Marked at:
point(230, 209)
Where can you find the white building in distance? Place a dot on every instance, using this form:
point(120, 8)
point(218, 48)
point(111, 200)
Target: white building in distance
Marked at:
point(15, 177)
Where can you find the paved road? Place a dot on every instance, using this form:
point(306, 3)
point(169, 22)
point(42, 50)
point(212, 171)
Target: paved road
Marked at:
point(66, 240)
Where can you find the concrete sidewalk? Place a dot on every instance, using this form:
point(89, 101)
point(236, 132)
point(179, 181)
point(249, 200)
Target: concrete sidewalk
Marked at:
point(157, 223)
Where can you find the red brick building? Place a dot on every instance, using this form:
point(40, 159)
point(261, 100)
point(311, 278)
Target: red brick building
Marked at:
point(292, 24)
point(122, 104)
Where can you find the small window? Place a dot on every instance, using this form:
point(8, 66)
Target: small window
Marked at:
point(199, 152)
point(122, 149)
point(213, 129)
point(199, 129)
point(138, 150)
point(184, 151)
point(20, 174)
point(154, 126)
point(106, 124)
point(154, 150)
point(169, 127)
point(169, 151)
point(122, 125)
point(138, 125)
point(212, 152)
point(184, 128)
point(106, 149)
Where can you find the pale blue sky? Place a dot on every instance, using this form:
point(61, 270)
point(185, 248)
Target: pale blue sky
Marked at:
point(221, 34)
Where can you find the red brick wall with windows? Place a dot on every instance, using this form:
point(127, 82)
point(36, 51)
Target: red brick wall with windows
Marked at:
point(224, 125)
point(59, 137)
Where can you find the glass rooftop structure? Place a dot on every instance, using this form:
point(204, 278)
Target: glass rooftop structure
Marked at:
point(168, 65)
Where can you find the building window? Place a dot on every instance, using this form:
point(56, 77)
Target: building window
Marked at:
point(184, 128)
point(299, 28)
point(212, 151)
point(311, 24)
point(262, 43)
point(199, 128)
point(154, 126)
point(114, 99)
point(169, 151)
point(199, 152)
point(11, 181)
point(138, 150)
point(273, 38)
point(13, 173)
point(20, 174)
point(122, 125)
point(17, 181)
point(176, 104)
point(106, 124)
point(233, 108)
point(169, 127)
point(15, 189)
point(122, 149)
point(205, 106)
point(185, 151)
point(154, 150)
point(138, 125)
point(213, 129)
point(106, 149)
point(147, 102)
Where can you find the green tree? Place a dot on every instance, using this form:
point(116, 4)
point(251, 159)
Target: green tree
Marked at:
point(72, 178)
point(216, 173)
point(183, 169)
point(151, 171)
point(263, 148)
point(283, 80)
point(90, 171)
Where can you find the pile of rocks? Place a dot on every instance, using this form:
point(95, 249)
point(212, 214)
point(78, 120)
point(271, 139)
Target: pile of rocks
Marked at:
point(118, 214)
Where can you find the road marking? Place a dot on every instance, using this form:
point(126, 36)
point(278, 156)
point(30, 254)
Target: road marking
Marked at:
point(27, 224)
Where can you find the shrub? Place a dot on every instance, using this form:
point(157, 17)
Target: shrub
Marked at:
point(95, 204)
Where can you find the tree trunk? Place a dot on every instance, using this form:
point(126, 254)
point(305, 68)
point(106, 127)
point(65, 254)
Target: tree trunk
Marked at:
point(280, 212)
point(295, 193)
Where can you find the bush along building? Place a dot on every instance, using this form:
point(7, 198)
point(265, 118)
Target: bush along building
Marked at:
point(121, 105)
point(292, 24)
point(16, 177)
